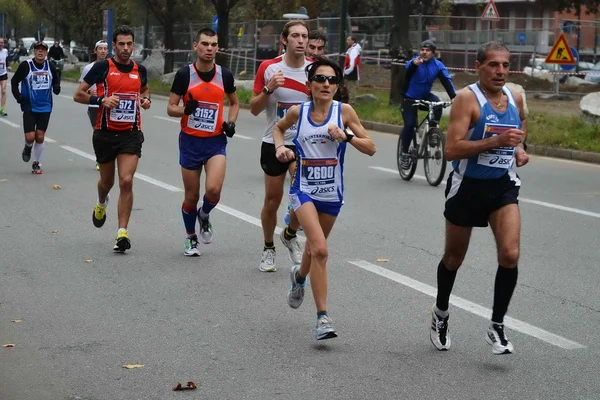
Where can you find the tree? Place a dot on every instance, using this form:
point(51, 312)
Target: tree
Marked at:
point(223, 9)
point(20, 15)
point(400, 47)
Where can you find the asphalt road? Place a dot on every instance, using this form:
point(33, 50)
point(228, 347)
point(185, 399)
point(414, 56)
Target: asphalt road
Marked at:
point(216, 320)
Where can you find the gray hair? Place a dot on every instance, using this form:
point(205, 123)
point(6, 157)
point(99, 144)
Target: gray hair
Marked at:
point(490, 46)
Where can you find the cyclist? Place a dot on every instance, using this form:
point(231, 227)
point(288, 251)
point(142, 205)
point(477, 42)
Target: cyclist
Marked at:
point(421, 72)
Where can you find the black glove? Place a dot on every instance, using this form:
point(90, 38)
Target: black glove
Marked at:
point(56, 89)
point(229, 128)
point(20, 99)
point(190, 106)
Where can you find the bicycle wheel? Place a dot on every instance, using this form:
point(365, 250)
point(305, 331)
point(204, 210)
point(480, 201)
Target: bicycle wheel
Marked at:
point(435, 159)
point(408, 173)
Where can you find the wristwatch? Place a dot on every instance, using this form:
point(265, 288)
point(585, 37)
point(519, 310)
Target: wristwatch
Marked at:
point(349, 135)
point(267, 91)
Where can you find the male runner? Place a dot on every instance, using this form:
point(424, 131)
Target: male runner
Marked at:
point(3, 77)
point(101, 51)
point(122, 87)
point(280, 83)
point(316, 44)
point(485, 143)
point(38, 79)
point(202, 141)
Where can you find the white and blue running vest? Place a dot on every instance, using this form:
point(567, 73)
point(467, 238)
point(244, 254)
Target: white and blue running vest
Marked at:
point(37, 88)
point(320, 158)
point(496, 162)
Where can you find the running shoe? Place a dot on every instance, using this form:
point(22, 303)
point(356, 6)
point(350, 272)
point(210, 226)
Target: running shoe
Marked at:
point(439, 331)
point(296, 293)
point(191, 246)
point(122, 242)
point(36, 168)
point(267, 261)
point(497, 339)
point(324, 329)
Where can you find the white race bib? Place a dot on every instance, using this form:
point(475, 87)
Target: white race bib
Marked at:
point(204, 118)
point(40, 80)
point(501, 157)
point(126, 110)
point(282, 109)
point(2, 68)
point(318, 175)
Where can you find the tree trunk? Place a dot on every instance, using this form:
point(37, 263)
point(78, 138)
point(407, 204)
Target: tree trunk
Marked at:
point(223, 34)
point(169, 46)
point(400, 47)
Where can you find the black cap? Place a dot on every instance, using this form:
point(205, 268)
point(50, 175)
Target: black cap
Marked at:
point(40, 44)
point(428, 44)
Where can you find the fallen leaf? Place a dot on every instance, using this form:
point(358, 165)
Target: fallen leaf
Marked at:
point(89, 260)
point(56, 187)
point(16, 320)
point(54, 231)
point(190, 386)
point(132, 366)
point(8, 345)
point(383, 260)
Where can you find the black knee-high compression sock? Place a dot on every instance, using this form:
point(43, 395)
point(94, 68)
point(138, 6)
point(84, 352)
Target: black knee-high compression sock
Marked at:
point(506, 280)
point(445, 282)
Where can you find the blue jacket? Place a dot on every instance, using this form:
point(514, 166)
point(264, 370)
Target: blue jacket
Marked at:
point(419, 79)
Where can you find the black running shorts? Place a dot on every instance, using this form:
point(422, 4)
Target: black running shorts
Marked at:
point(269, 162)
point(4, 77)
point(469, 202)
point(109, 144)
point(34, 121)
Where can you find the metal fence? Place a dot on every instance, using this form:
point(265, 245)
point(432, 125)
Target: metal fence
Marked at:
point(457, 38)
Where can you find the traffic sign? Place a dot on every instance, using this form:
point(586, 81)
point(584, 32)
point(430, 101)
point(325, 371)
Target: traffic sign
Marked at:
point(572, 66)
point(215, 23)
point(561, 52)
point(491, 12)
point(522, 37)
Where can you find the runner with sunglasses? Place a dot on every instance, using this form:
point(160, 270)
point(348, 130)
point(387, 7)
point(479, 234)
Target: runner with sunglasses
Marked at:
point(324, 127)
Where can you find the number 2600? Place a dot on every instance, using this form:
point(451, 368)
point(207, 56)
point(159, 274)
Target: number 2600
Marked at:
point(325, 172)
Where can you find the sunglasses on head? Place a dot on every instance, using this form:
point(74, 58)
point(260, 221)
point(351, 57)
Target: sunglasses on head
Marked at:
point(333, 80)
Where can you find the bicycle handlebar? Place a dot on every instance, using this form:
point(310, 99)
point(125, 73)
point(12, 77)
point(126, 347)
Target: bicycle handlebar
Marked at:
point(433, 104)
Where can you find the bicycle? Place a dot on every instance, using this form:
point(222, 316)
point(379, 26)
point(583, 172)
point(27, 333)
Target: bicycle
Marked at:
point(427, 144)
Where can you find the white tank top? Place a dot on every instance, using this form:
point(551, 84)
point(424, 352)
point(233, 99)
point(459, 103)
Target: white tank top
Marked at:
point(3, 55)
point(319, 171)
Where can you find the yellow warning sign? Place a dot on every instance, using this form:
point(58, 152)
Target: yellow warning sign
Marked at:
point(561, 52)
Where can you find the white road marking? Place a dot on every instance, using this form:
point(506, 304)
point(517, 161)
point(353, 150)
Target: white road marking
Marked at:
point(47, 139)
point(65, 96)
point(521, 199)
point(7, 122)
point(237, 135)
point(471, 307)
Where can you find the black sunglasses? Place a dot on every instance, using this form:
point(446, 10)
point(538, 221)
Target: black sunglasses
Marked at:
point(333, 80)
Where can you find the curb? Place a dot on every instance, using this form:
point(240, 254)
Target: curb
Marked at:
point(554, 152)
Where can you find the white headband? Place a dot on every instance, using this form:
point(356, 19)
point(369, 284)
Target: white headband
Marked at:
point(100, 43)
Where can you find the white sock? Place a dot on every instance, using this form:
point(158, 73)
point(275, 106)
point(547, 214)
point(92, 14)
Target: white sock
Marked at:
point(121, 230)
point(28, 144)
point(105, 201)
point(37, 151)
